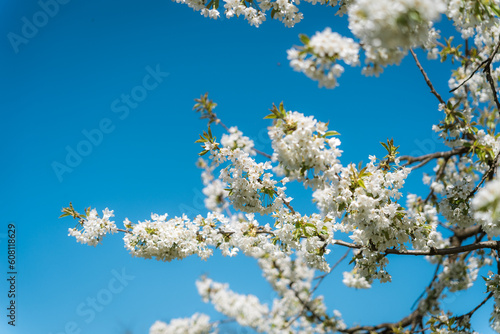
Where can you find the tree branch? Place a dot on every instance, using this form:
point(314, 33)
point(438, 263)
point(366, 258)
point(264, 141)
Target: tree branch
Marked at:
point(489, 78)
point(322, 277)
point(428, 157)
point(486, 175)
point(426, 78)
point(470, 76)
point(492, 244)
point(469, 314)
point(388, 326)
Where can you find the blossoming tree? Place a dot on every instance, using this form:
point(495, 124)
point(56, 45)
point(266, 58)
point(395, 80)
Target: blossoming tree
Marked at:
point(455, 226)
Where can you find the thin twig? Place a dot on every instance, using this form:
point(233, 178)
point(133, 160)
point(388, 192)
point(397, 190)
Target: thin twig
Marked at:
point(470, 76)
point(423, 163)
point(469, 314)
point(263, 153)
point(426, 78)
point(486, 175)
point(124, 231)
point(429, 286)
point(322, 277)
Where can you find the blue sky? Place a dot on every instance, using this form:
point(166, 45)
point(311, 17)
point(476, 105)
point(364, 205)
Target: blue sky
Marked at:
point(70, 78)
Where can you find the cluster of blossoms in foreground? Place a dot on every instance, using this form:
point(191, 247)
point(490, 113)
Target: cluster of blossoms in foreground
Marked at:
point(93, 227)
point(363, 208)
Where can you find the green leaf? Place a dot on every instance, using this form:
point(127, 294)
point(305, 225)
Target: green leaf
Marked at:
point(331, 133)
point(202, 140)
point(282, 110)
point(304, 39)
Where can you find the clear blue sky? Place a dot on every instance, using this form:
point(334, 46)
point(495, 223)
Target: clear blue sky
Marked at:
point(67, 79)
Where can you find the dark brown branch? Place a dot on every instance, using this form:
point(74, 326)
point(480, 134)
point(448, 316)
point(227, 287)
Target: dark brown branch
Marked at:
point(470, 76)
point(489, 78)
point(465, 233)
point(469, 314)
point(427, 157)
point(426, 78)
point(491, 244)
point(413, 318)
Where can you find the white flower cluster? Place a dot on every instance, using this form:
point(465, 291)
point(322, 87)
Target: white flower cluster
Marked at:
point(235, 139)
point(283, 10)
point(376, 58)
point(455, 207)
point(303, 149)
point(292, 280)
point(394, 23)
point(94, 228)
point(235, 7)
point(476, 86)
point(460, 274)
point(367, 200)
point(428, 236)
point(453, 189)
point(388, 28)
point(179, 237)
point(431, 44)
point(245, 309)
point(197, 324)
point(176, 238)
point(248, 236)
point(467, 15)
point(215, 190)
point(354, 280)
point(254, 13)
point(486, 205)
point(251, 188)
point(319, 56)
point(285, 273)
point(308, 235)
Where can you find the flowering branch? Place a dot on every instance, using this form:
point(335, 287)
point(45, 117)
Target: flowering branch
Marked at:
point(488, 174)
point(491, 244)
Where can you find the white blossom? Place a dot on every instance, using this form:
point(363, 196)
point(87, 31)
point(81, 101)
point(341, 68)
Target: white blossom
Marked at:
point(94, 228)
